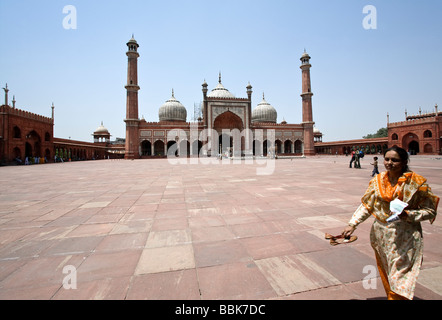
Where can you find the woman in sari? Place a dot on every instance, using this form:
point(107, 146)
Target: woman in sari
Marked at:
point(398, 245)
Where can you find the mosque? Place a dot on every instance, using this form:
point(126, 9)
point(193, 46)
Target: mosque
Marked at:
point(227, 124)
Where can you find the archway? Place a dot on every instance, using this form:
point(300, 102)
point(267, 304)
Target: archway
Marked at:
point(159, 148)
point(225, 142)
point(17, 152)
point(146, 148)
point(298, 146)
point(224, 124)
point(410, 141)
point(428, 148)
point(228, 120)
point(184, 148)
point(172, 148)
point(33, 144)
point(413, 147)
point(278, 146)
point(287, 146)
point(28, 150)
point(196, 148)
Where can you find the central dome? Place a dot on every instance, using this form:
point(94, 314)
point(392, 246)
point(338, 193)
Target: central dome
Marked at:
point(220, 91)
point(172, 110)
point(264, 112)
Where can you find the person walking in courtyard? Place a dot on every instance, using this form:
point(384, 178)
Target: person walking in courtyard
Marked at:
point(398, 245)
point(375, 167)
point(352, 157)
point(357, 161)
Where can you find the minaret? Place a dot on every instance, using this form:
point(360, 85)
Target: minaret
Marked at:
point(132, 88)
point(307, 113)
point(6, 94)
point(249, 107)
point(205, 118)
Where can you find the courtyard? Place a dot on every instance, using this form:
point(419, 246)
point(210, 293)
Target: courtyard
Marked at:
point(156, 230)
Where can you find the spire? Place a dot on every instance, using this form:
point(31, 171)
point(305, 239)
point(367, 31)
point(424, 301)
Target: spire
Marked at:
point(219, 77)
point(6, 94)
point(52, 110)
point(13, 101)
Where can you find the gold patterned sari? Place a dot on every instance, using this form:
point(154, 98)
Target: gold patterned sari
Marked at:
point(398, 245)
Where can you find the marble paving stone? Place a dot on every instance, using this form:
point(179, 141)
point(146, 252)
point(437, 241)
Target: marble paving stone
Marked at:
point(174, 285)
point(121, 242)
point(132, 226)
point(241, 280)
point(170, 224)
point(220, 252)
point(163, 259)
point(432, 279)
point(212, 234)
point(108, 265)
point(70, 246)
point(268, 246)
point(91, 229)
point(295, 273)
point(320, 222)
point(168, 238)
point(343, 262)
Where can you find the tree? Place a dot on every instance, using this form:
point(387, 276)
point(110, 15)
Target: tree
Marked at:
point(382, 132)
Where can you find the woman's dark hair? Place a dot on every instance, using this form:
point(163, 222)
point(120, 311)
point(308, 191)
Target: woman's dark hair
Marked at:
point(403, 154)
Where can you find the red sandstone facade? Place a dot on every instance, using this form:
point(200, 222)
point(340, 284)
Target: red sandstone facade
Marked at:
point(28, 135)
point(418, 134)
point(227, 123)
point(24, 134)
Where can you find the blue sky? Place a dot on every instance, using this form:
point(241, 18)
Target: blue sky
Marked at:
point(358, 75)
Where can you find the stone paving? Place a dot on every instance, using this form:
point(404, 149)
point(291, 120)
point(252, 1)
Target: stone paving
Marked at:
point(149, 229)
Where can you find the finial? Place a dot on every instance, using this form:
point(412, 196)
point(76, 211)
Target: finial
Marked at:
point(263, 98)
point(173, 93)
point(219, 77)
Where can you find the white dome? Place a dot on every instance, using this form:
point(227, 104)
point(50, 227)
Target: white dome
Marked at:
point(220, 91)
point(172, 110)
point(101, 129)
point(264, 112)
